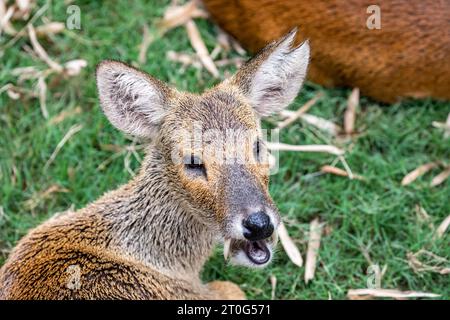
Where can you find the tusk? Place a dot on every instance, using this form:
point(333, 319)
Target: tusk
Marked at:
point(226, 248)
point(275, 238)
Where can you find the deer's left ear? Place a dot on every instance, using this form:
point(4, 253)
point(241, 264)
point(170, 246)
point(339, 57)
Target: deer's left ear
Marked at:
point(273, 78)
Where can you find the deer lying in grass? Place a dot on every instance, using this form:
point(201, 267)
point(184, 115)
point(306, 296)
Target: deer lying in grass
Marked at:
point(150, 238)
point(405, 55)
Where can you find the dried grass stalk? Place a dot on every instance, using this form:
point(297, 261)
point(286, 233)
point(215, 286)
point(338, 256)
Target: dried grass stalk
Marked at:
point(350, 112)
point(2, 214)
point(447, 130)
point(423, 216)
point(73, 67)
point(15, 92)
point(443, 227)
point(25, 72)
point(6, 87)
point(445, 126)
point(306, 148)
point(184, 58)
point(237, 62)
point(441, 177)
point(19, 34)
point(419, 171)
point(273, 282)
point(42, 88)
point(5, 17)
point(355, 294)
point(50, 29)
point(38, 197)
point(42, 54)
point(147, 39)
point(10, 91)
point(72, 131)
point(12, 94)
point(24, 8)
point(318, 122)
point(200, 48)
point(23, 4)
point(347, 167)
point(289, 246)
point(322, 124)
point(223, 40)
point(216, 51)
point(334, 170)
point(434, 263)
point(179, 15)
point(297, 114)
point(237, 47)
point(445, 271)
point(339, 172)
point(315, 233)
point(64, 115)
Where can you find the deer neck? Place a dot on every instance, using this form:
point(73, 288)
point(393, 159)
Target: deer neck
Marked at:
point(155, 226)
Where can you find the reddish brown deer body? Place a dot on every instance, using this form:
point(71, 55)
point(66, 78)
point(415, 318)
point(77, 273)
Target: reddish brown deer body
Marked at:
point(150, 238)
point(409, 56)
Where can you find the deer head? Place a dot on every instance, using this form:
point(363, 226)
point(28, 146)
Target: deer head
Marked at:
point(210, 146)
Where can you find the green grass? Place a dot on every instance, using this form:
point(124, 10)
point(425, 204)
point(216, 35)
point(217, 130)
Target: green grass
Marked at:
point(376, 215)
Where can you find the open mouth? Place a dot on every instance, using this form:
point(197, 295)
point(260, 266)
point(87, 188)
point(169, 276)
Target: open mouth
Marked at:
point(258, 253)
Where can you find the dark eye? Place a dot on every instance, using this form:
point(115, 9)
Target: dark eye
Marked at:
point(194, 166)
point(257, 150)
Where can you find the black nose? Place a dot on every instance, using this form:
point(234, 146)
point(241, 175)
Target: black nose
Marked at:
point(257, 226)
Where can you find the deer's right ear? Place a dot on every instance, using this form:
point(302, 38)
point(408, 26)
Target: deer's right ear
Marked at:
point(133, 101)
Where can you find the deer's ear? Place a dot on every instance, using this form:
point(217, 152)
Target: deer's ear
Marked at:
point(133, 101)
point(273, 78)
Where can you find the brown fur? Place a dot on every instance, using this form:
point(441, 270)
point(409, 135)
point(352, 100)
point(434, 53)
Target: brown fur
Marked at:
point(408, 57)
point(150, 238)
point(146, 213)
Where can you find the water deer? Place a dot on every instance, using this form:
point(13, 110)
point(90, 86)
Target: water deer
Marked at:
point(390, 49)
point(150, 238)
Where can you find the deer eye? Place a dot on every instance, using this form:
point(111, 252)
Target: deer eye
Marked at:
point(257, 150)
point(194, 166)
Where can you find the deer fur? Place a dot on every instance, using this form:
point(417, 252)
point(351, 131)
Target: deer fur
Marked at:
point(407, 57)
point(150, 238)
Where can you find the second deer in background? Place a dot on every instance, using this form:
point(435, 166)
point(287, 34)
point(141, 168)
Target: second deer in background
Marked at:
point(406, 55)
